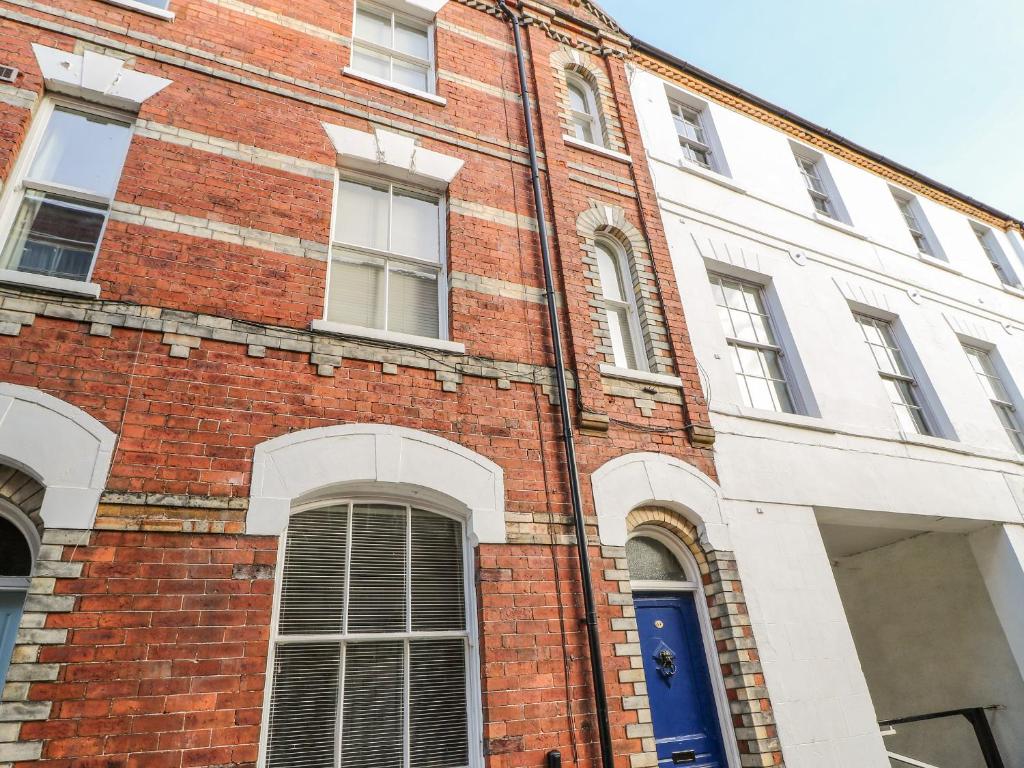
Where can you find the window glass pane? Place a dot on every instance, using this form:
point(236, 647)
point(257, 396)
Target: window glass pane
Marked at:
point(313, 584)
point(583, 129)
point(412, 40)
point(373, 27)
point(371, 63)
point(411, 75)
point(437, 577)
point(623, 349)
point(611, 277)
point(54, 236)
point(377, 591)
point(413, 300)
point(361, 217)
point(81, 151)
point(650, 560)
point(373, 715)
point(438, 728)
point(356, 294)
point(156, 3)
point(415, 228)
point(304, 706)
point(578, 101)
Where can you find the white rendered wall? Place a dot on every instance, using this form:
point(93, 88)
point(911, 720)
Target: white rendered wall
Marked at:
point(844, 454)
point(930, 641)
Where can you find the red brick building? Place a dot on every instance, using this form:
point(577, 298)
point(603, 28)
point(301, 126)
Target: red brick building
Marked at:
point(283, 473)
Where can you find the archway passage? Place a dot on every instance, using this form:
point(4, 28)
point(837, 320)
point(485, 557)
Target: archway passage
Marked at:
point(684, 711)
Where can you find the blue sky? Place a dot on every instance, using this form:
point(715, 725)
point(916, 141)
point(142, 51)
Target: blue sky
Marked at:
point(937, 85)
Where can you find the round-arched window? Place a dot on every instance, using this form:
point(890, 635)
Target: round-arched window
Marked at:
point(650, 560)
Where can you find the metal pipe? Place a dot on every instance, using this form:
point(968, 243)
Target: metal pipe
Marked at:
point(589, 604)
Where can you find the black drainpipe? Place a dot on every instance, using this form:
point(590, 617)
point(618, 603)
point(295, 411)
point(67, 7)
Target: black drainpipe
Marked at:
point(593, 637)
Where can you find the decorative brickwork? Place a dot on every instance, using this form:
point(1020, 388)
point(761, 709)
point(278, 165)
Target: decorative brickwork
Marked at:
point(751, 709)
point(24, 492)
point(566, 59)
point(611, 221)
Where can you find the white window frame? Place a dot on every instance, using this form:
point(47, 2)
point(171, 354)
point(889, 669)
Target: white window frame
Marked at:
point(789, 375)
point(164, 13)
point(986, 238)
point(393, 53)
point(387, 256)
point(996, 372)
point(679, 108)
point(917, 224)
point(907, 373)
point(474, 696)
point(829, 193)
point(18, 183)
point(695, 586)
point(630, 304)
point(594, 118)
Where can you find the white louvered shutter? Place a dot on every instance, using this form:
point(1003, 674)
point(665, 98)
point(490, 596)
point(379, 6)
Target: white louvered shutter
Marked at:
point(370, 653)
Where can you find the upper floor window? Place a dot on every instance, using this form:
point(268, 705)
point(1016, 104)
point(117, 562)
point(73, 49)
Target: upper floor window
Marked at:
point(693, 137)
point(584, 113)
point(387, 261)
point(896, 374)
point(992, 383)
point(995, 256)
point(370, 649)
point(756, 354)
point(619, 301)
point(812, 170)
point(916, 223)
point(393, 47)
point(62, 199)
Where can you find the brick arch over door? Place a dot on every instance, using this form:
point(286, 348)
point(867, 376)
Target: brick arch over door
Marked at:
point(59, 448)
point(318, 464)
point(650, 489)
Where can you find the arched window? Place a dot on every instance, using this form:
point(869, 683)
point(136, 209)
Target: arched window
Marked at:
point(584, 111)
point(16, 558)
point(619, 300)
point(651, 560)
point(370, 652)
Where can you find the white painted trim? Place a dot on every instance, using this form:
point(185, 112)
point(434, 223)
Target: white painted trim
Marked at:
point(640, 479)
point(312, 464)
point(695, 588)
point(712, 176)
point(644, 377)
point(63, 447)
point(388, 337)
point(423, 9)
point(842, 226)
point(149, 10)
point(96, 78)
point(597, 149)
point(425, 95)
point(50, 283)
point(392, 156)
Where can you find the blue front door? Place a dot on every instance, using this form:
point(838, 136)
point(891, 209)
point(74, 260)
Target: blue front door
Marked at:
point(686, 725)
point(11, 602)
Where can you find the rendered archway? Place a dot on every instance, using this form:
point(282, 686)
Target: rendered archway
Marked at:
point(653, 479)
point(62, 447)
point(313, 464)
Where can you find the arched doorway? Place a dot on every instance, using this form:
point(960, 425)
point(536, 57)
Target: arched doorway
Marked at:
point(684, 708)
point(18, 543)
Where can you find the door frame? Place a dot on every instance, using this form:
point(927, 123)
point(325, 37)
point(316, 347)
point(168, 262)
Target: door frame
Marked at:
point(694, 586)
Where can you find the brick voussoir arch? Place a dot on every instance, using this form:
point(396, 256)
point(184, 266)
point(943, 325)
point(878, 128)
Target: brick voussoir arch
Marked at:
point(317, 464)
point(655, 490)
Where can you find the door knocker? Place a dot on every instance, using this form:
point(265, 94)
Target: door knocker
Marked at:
point(666, 661)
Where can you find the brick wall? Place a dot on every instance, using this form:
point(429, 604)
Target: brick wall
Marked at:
point(145, 640)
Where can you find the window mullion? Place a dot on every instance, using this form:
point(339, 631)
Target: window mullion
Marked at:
point(407, 702)
point(339, 724)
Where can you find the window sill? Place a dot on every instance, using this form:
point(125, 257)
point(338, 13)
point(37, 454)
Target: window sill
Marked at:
point(149, 10)
point(597, 149)
point(712, 176)
point(1013, 291)
point(388, 337)
point(938, 263)
point(48, 283)
point(643, 377)
point(798, 420)
point(433, 98)
point(842, 226)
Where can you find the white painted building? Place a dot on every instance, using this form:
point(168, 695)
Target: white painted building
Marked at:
point(868, 451)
